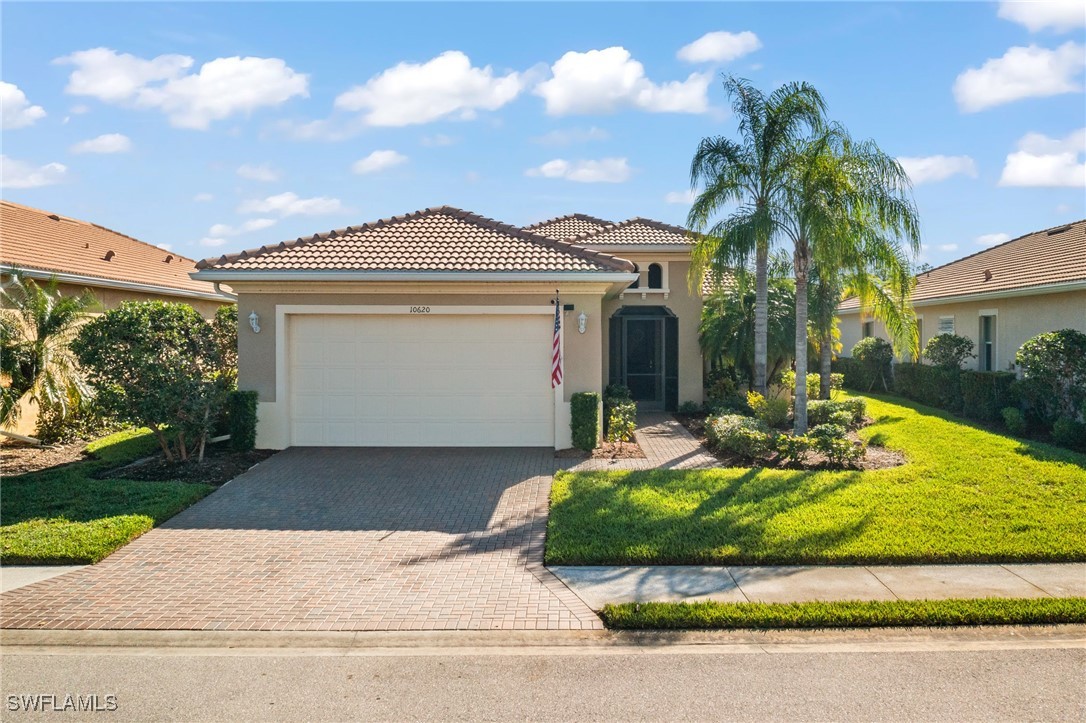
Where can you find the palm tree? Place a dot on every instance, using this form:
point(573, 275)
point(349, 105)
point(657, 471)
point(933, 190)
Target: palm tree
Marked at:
point(843, 200)
point(749, 173)
point(36, 325)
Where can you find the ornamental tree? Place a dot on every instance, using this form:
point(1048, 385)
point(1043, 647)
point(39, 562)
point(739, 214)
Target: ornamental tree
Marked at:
point(1054, 370)
point(949, 351)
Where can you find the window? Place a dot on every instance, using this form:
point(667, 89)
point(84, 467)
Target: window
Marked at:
point(987, 359)
point(637, 281)
point(869, 329)
point(946, 324)
point(656, 276)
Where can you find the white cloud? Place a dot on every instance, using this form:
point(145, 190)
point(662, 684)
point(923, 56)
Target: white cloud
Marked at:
point(1047, 162)
point(256, 224)
point(447, 85)
point(605, 170)
point(165, 247)
point(948, 247)
point(604, 81)
point(719, 47)
point(203, 197)
point(683, 197)
point(221, 88)
point(472, 176)
point(209, 241)
point(437, 140)
point(378, 161)
point(108, 143)
point(928, 169)
point(1060, 15)
point(991, 239)
point(15, 109)
point(1063, 208)
point(1032, 72)
point(290, 204)
point(262, 172)
point(20, 174)
point(570, 136)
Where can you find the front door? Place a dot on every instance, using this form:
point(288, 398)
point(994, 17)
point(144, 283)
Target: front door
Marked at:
point(645, 361)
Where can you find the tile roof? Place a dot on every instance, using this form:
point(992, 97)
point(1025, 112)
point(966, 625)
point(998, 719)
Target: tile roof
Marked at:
point(434, 239)
point(566, 227)
point(37, 240)
point(635, 232)
point(1050, 256)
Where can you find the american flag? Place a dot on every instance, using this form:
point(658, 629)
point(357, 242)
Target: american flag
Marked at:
point(556, 348)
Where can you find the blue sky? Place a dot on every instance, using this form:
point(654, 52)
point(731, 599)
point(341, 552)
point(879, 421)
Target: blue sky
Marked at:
point(211, 127)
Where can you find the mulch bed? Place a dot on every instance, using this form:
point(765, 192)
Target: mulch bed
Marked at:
point(875, 457)
point(16, 459)
point(220, 465)
point(606, 450)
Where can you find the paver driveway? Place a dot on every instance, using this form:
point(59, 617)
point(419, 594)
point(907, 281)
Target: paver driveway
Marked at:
point(334, 539)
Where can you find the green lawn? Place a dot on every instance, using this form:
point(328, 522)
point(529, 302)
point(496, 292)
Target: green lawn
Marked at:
point(65, 516)
point(964, 495)
point(854, 614)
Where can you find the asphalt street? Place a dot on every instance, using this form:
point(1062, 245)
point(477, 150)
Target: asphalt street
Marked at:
point(988, 680)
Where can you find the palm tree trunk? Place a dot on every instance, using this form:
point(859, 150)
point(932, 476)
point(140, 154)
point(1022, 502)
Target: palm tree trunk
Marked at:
point(761, 317)
point(800, 408)
point(825, 357)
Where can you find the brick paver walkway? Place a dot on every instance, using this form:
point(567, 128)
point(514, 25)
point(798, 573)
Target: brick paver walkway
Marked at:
point(334, 539)
point(666, 444)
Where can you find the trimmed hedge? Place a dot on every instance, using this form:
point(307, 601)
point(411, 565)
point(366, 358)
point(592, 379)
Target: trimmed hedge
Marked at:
point(934, 386)
point(584, 420)
point(242, 413)
point(985, 394)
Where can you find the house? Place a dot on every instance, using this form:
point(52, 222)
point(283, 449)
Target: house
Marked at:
point(82, 256)
point(999, 297)
point(435, 328)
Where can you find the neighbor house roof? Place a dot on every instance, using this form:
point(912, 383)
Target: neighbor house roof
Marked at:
point(566, 227)
point(636, 232)
point(81, 252)
point(1052, 257)
point(435, 239)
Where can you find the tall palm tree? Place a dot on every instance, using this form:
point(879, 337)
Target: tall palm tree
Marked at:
point(37, 323)
point(749, 173)
point(843, 200)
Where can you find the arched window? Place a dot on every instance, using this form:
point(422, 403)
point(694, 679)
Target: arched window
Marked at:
point(656, 276)
point(637, 281)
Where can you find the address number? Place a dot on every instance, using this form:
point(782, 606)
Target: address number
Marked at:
point(420, 309)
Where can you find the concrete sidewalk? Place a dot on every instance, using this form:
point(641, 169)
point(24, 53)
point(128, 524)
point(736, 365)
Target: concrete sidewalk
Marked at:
point(16, 576)
point(769, 583)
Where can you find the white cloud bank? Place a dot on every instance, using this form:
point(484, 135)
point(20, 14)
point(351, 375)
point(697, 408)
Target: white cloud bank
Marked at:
point(262, 172)
point(290, 204)
point(256, 224)
point(991, 239)
point(107, 143)
point(20, 174)
point(608, 80)
point(569, 136)
point(929, 169)
point(1041, 161)
point(221, 88)
point(605, 170)
point(445, 86)
point(683, 197)
point(378, 161)
point(719, 47)
point(15, 110)
point(1022, 72)
point(1058, 15)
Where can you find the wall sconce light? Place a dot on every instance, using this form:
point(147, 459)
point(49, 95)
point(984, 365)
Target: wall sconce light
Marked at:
point(254, 321)
point(582, 322)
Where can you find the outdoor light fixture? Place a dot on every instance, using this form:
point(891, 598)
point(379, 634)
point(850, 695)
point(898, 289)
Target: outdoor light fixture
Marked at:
point(254, 321)
point(582, 322)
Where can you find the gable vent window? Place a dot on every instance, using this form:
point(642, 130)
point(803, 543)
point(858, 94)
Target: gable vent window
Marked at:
point(656, 276)
point(946, 324)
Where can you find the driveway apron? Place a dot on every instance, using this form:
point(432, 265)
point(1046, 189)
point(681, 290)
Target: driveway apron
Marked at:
point(334, 539)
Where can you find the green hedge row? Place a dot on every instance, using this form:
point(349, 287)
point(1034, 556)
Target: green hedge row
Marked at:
point(241, 412)
point(584, 420)
point(977, 395)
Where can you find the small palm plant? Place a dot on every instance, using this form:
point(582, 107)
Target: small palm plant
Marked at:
point(37, 324)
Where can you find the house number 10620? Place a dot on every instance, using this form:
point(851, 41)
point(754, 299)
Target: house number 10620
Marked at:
point(420, 309)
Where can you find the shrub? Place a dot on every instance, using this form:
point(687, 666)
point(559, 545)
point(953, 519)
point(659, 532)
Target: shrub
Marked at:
point(613, 394)
point(948, 350)
point(744, 436)
point(241, 412)
point(584, 420)
point(858, 408)
point(621, 422)
point(793, 448)
point(848, 412)
point(935, 386)
point(853, 374)
point(771, 412)
point(984, 394)
point(832, 441)
point(721, 391)
point(1054, 370)
point(689, 407)
point(85, 421)
point(874, 355)
point(814, 383)
point(1068, 433)
point(1014, 420)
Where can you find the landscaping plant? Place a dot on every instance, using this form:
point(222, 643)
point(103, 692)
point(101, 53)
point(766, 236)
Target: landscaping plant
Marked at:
point(622, 422)
point(874, 356)
point(1014, 420)
point(1054, 376)
point(949, 351)
point(743, 436)
point(770, 412)
point(584, 420)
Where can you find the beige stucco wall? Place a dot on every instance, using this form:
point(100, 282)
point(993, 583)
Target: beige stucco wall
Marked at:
point(686, 305)
point(1018, 319)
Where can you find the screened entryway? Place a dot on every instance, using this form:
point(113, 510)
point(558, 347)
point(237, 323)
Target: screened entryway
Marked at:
point(644, 355)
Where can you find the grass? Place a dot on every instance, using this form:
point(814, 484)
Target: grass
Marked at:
point(63, 516)
point(852, 614)
point(965, 494)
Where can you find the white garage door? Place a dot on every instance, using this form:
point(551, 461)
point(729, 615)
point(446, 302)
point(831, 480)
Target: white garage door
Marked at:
point(411, 380)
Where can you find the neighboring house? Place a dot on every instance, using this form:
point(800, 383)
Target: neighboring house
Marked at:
point(999, 297)
point(84, 256)
point(435, 328)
